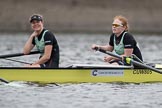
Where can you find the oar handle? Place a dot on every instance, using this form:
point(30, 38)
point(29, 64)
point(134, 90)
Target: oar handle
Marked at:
point(18, 54)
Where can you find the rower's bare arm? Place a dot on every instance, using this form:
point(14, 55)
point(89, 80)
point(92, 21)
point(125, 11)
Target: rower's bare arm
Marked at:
point(107, 48)
point(46, 56)
point(104, 47)
point(128, 52)
point(28, 45)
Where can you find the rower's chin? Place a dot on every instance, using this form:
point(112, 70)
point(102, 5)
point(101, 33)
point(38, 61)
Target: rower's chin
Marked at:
point(114, 31)
point(36, 29)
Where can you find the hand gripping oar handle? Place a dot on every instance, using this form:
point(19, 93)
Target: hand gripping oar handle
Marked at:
point(127, 59)
point(18, 54)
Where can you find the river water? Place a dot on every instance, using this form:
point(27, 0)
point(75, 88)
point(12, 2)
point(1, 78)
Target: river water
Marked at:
point(76, 48)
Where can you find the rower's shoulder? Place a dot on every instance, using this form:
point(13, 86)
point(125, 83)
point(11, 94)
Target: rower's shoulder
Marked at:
point(49, 33)
point(129, 36)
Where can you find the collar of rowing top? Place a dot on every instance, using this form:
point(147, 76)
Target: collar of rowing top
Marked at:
point(40, 44)
point(119, 48)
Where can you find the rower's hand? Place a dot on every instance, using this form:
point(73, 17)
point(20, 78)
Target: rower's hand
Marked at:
point(108, 58)
point(27, 65)
point(95, 47)
point(34, 34)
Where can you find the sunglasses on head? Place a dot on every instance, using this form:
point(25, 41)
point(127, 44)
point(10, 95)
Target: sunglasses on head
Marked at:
point(117, 25)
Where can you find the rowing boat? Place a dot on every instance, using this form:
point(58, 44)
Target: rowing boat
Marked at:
point(82, 73)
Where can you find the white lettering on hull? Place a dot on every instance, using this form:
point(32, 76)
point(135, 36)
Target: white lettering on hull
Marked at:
point(107, 72)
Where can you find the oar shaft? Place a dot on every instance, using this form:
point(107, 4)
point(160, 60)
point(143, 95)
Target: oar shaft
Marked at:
point(17, 61)
point(146, 66)
point(110, 53)
point(17, 54)
point(3, 80)
point(131, 60)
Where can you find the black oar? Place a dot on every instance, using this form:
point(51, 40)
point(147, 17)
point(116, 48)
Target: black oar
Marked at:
point(130, 61)
point(7, 56)
point(17, 54)
point(3, 80)
point(17, 61)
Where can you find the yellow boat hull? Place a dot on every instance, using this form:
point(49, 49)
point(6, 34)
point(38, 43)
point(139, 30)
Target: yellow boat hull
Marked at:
point(81, 75)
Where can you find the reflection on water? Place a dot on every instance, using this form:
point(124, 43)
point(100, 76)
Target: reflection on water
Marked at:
point(76, 48)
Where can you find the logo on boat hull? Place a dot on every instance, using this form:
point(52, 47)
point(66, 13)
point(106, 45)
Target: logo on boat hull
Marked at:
point(110, 72)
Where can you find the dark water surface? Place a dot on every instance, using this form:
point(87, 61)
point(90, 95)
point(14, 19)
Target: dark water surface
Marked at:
point(100, 95)
point(76, 48)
